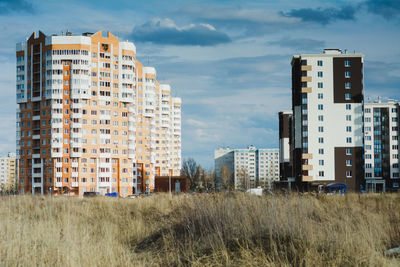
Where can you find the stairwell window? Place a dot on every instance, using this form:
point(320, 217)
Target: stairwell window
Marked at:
point(347, 74)
point(347, 96)
point(347, 85)
point(347, 63)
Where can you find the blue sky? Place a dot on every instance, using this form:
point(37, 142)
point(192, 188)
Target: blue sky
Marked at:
point(228, 60)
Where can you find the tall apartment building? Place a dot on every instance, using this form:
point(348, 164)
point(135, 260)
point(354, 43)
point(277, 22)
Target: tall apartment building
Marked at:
point(8, 171)
point(327, 105)
point(86, 117)
point(259, 166)
point(381, 135)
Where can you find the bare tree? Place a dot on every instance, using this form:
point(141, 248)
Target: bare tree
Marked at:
point(243, 179)
point(190, 170)
point(226, 177)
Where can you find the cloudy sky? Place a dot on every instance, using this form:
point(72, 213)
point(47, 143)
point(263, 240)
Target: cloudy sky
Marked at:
point(228, 60)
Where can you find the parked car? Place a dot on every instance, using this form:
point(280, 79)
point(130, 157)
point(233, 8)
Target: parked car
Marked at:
point(114, 194)
point(91, 194)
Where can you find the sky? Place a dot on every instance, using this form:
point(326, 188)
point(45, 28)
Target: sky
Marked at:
point(229, 61)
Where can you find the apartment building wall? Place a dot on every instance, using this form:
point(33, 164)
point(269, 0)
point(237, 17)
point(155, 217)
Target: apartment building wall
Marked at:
point(381, 135)
point(327, 104)
point(257, 166)
point(176, 136)
point(285, 146)
point(86, 115)
point(8, 171)
point(223, 157)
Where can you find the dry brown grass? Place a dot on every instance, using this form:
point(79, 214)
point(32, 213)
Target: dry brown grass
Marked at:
point(217, 230)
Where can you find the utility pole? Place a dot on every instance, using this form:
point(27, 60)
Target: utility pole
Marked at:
point(169, 180)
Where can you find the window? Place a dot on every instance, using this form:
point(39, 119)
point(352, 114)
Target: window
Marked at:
point(368, 165)
point(348, 117)
point(348, 174)
point(348, 106)
point(320, 117)
point(368, 156)
point(395, 184)
point(394, 110)
point(321, 174)
point(320, 85)
point(347, 96)
point(348, 129)
point(395, 147)
point(394, 119)
point(320, 140)
point(349, 162)
point(368, 175)
point(347, 63)
point(347, 85)
point(347, 74)
point(320, 74)
point(348, 140)
point(320, 96)
point(320, 129)
point(367, 110)
point(319, 63)
point(321, 151)
point(320, 107)
point(321, 162)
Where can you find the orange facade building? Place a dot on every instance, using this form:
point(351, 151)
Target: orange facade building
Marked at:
point(91, 117)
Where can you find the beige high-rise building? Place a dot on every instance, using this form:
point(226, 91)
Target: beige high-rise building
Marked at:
point(86, 118)
point(8, 172)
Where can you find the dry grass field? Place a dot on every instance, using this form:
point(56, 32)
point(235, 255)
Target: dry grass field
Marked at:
point(214, 230)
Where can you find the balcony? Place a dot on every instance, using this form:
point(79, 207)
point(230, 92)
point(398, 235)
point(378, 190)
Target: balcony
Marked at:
point(306, 89)
point(307, 167)
point(305, 178)
point(306, 79)
point(306, 68)
point(306, 156)
point(75, 184)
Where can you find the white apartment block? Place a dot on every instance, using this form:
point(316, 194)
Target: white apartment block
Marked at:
point(328, 118)
point(259, 166)
point(381, 135)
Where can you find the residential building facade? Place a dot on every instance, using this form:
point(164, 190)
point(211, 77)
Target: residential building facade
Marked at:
point(248, 167)
point(381, 135)
point(86, 116)
point(327, 120)
point(8, 172)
